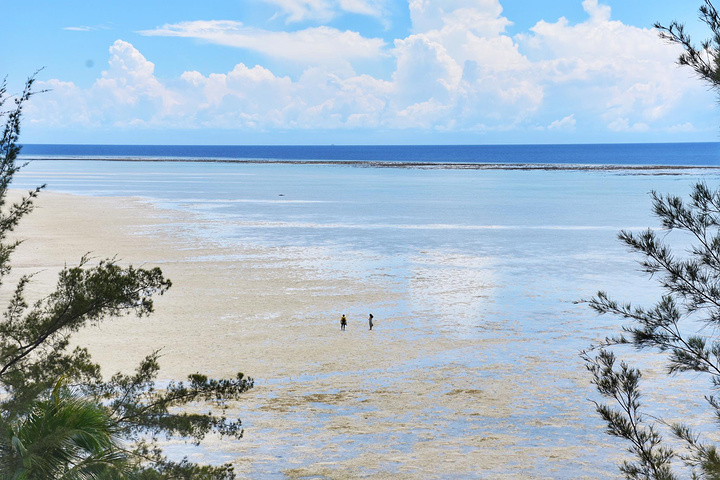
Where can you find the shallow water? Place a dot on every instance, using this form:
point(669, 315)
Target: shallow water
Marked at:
point(465, 255)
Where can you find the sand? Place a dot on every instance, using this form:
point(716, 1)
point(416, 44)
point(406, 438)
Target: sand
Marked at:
point(391, 403)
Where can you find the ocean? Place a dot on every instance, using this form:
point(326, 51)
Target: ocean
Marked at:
point(480, 243)
point(671, 154)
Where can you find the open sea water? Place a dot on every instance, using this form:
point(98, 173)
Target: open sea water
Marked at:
point(534, 240)
point(688, 154)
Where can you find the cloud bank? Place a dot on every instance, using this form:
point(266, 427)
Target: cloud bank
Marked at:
point(457, 71)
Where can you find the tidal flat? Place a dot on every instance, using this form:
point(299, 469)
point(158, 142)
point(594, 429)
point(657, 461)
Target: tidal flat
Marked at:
point(472, 369)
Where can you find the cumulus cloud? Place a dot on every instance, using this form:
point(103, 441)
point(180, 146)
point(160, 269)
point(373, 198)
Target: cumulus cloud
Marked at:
point(622, 74)
point(458, 70)
point(244, 97)
point(598, 13)
point(65, 105)
point(481, 17)
point(312, 45)
point(472, 67)
point(130, 78)
point(127, 93)
point(424, 71)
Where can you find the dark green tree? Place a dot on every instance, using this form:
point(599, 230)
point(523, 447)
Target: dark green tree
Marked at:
point(34, 353)
point(683, 324)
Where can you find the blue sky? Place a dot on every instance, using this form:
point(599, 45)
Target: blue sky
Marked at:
point(355, 72)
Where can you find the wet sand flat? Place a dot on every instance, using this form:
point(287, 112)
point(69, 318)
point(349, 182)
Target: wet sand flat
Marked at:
point(405, 400)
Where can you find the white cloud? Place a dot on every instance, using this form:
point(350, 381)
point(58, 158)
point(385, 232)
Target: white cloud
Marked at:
point(424, 71)
point(624, 125)
point(598, 13)
point(481, 17)
point(313, 45)
point(566, 123)
point(326, 10)
point(458, 71)
point(127, 93)
point(616, 71)
point(244, 97)
point(301, 10)
point(684, 127)
point(130, 78)
point(327, 99)
point(362, 7)
point(483, 75)
point(425, 115)
point(64, 104)
point(85, 28)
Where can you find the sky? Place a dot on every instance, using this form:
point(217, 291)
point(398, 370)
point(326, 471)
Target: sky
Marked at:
point(355, 72)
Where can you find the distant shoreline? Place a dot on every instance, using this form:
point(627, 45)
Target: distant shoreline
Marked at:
point(429, 165)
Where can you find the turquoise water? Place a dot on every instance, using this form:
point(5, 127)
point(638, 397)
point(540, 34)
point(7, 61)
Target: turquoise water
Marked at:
point(541, 227)
point(536, 240)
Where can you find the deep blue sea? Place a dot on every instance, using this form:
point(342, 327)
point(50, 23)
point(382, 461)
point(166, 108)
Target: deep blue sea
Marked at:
point(685, 154)
point(489, 261)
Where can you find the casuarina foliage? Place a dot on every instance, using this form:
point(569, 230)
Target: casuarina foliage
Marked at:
point(59, 418)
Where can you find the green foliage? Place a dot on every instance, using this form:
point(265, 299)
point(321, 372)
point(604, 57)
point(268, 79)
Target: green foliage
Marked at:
point(48, 431)
point(627, 421)
point(33, 340)
point(682, 325)
point(705, 59)
point(684, 322)
point(64, 437)
point(141, 409)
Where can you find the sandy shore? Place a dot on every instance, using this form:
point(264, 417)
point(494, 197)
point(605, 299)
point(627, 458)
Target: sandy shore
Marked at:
point(327, 404)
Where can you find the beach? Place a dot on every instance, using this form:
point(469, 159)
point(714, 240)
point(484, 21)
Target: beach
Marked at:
point(327, 404)
point(472, 369)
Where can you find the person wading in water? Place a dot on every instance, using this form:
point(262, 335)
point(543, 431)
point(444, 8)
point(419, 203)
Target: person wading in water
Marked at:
point(343, 322)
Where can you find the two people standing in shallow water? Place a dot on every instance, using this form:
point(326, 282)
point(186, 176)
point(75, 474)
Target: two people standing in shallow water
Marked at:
point(343, 322)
